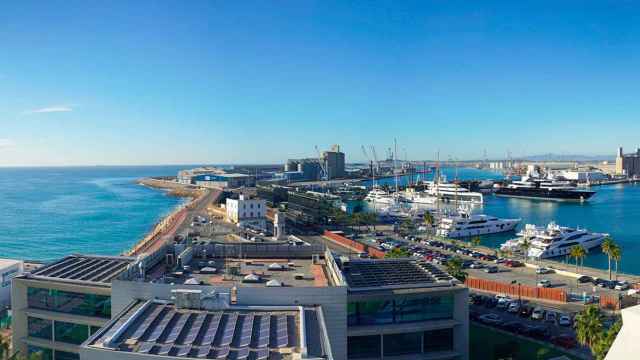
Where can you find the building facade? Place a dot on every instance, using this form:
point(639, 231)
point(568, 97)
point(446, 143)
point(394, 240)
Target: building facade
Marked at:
point(247, 210)
point(8, 270)
point(334, 163)
point(628, 164)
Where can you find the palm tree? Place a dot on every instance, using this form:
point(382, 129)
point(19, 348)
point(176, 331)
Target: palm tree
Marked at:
point(616, 255)
point(577, 252)
point(607, 247)
point(525, 245)
point(588, 325)
point(428, 221)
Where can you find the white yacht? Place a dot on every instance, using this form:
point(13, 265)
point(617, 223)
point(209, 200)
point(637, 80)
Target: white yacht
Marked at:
point(465, 225)
point(379, 196)
point(412, 196)
point(554, 240)
point(449, 192)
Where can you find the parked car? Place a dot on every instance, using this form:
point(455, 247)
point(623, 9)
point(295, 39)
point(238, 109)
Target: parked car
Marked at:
point(565, 341)
point(564, 320)
point(491, 269)
point(622, 285)
point(491, 303)
point(536, 332)
point(544, 283)
point(514, 327)
point(543, 270)
point(525, 311)
point(503, 303)
point(490, 319)
point(550, 317)
point(537, 314)
point(476, 265)
point(585, 279)
point(514, 307)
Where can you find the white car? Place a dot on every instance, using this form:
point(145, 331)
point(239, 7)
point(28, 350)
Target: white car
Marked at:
point(564, 320)
point(491, 319)
point(544, 283)
point(514, 307)
point(476, 265)
point(622, 285)
point(543, 270)
point(503, 303)
point(537, 314)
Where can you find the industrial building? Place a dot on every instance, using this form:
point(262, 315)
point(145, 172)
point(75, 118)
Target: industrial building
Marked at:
point(628, 164)
point(308, 169)
point(334, 162)
point(8, 270)
point(216, 178)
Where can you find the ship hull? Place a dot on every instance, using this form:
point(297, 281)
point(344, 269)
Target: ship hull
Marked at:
point(541, 194)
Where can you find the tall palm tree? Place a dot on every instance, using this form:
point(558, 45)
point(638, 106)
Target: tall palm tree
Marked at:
point(428, 221)
point(616, 255)
point(476, 241)
point(525, 245)
point(577, 252)
point(454, 268)
point(588, 325)
point(607, 247)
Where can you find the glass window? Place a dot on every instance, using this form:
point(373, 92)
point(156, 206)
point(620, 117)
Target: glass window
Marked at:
point(359, 347)
point(71, 333)
point(69, 302)
point(400, 310)
point(375, 312)
point(63, 355)
point(438, 340)
point(40, 328)
point(94, 329)
point(40, 352)
point(402, 344)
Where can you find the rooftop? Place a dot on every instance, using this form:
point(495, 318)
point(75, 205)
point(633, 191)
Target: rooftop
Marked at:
point(368, 274)
point(8, 262)
point(83, 268)
point(161, 328)
point(268, 272)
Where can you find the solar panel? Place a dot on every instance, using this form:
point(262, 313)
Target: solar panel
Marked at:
point(195, 329)
point(164, 349)
point(149, 317)
point(259, 354)
point(367, 274)
point(221, 353)
point(177, 329)
point(260, 337)
point(145, 348)
point(282, 333)
point(211, 330)
point(239, 354)
point(159, 329)
point(181, 350)
point(203, 351)
point(229, 329)
point(243, 337)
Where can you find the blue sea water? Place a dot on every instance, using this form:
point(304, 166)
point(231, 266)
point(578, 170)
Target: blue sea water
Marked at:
point(46, 213)
point(615, 209)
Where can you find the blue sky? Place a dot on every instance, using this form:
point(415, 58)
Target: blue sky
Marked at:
point(162, 82)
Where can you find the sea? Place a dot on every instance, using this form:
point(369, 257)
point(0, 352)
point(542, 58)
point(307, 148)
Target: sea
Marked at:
point(47, 213)
point(614, 209)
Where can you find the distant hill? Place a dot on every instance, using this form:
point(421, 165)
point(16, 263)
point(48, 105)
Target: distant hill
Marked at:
point(559, 157)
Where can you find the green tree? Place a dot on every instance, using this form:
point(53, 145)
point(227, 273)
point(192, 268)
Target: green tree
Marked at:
point(407, 226)
point(525, 245)
point(396, 253)
point(476, 241)
point(578, 252)
point(616, 255)
point(607, 247)
point(455, 269)
point(4, 346)
point(542, 353)
point(429, 220)
point(588, 325)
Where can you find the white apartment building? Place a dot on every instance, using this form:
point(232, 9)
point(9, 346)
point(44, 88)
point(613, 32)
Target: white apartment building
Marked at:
point(247, 210)
point(8, 270)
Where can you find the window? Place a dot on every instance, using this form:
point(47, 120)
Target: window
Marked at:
point(63, 355)
point(71, 333)
point(400, 310)
point(438, 340)
point(42, 353)
point(359, 347)
point(402, 344)
point(40, 328)
point(69, 302)
point(94, 329)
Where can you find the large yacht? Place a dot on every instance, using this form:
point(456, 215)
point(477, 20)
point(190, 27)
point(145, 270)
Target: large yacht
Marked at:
point(536, 186)
point(553, 240)
point(450, 192)
point(412, 196)
point(465, 225)
point(379, 196)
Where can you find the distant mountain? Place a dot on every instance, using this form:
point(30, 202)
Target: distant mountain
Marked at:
point(559, 157)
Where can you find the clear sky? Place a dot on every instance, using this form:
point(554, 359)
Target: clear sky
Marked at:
point(162, 82)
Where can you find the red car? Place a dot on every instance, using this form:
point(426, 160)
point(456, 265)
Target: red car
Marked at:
point(513, 263)
point(564, 341)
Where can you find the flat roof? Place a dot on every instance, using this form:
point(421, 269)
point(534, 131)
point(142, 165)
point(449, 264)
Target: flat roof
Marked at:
point(253, 272)
point(374, 274)
point(85, 268)
point(159, 328)
point(4, 263)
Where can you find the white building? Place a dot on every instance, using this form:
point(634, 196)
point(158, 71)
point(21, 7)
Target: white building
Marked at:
point(584, 176)
point(626, 345)
point(8, 270)
point(247, 210)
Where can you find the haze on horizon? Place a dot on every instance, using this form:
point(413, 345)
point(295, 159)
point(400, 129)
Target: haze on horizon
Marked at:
point(177, 82)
